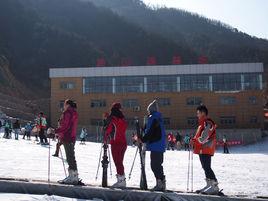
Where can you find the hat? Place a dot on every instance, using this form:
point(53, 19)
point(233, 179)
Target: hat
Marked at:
point(152, 107)
point(116, 106)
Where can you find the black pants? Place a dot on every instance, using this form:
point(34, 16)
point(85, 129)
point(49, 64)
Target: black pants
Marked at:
point(206, 165)
point(28, 134)
point(6, 133)
point(70, 155)
point(225, 148)
point(186, 147)
point(42, 136)
point(157, 159)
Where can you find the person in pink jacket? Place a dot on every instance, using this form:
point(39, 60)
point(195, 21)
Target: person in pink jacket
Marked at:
point(67, 135)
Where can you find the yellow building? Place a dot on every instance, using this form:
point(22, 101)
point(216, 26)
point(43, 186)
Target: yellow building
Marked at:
point(232, 93)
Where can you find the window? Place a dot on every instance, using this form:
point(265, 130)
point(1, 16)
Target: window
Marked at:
point(130, 103)
point(253, 120)
point(228, 100)
point(96, 122)
point(194, 101)
point(166, 122)
point(67, 85)
point(226, 82)
point(98, 103)
point(228, 120)
point(192, 121)
point(161, 83)
point(194, 83)
point(251, 81)
point(129, 84)
point(252, 100)
point(163, 101)
point(61, 104)
point(131, 123)
point(98, 85)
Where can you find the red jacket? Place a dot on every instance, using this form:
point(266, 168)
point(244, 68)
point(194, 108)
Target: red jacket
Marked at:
point(68, 126)
point(171, 138)
point(116, 131)
point(204, 141)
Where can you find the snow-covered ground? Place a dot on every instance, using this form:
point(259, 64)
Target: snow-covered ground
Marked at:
point(24, 197)
point(244, 171)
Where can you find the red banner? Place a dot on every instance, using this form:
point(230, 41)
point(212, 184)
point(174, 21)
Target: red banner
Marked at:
point(176, 60)
point(203, 60)
point(151, 60)
point(101, 62)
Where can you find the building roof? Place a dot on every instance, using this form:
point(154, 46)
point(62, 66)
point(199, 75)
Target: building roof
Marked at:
point(157, 70)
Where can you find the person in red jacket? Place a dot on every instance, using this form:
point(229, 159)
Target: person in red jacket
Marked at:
point(204, 143)
point(116, 134)
point(67, 135)
point(42, 125)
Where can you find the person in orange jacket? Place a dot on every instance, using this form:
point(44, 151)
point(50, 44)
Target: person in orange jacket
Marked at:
point(204, 144)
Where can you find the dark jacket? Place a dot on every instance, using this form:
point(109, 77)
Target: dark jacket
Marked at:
point(155, 137)
point(16, 125)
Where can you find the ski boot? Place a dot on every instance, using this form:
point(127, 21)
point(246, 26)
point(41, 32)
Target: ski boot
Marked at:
point(213, 189)
point(55, 155)
point(72, 179)
point(121, 182)
point(160, 185)
point(208, 181)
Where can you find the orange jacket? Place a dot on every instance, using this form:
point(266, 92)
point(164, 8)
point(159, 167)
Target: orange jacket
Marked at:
point(204, 141)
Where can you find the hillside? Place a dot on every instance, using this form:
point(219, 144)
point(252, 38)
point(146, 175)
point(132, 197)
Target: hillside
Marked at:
point(221, 43)
point(39, 34)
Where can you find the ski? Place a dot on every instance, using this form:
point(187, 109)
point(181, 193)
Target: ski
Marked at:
point(104, 163)
point(143, 180)
point(80, 183)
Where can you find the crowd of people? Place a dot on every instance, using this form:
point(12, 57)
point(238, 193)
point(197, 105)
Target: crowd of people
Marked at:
point(202, 142)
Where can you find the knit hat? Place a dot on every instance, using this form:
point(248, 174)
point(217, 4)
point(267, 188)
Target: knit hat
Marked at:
point(152, 107)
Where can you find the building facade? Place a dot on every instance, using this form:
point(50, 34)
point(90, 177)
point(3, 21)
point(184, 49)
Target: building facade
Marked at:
point(232, 93)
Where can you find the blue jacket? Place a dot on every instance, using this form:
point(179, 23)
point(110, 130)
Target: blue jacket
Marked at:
point(153, 141)
point(28, 128)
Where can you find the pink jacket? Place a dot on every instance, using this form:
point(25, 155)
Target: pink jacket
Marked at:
point(68, 126)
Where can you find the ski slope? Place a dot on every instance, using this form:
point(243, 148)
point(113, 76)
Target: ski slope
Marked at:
point(243, 172)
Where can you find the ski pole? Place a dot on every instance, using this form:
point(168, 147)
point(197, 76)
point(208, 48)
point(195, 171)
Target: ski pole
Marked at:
point(63, 164)
point(99, 162)
point(192, 175)
point(48, 172)
point(111, 174)
point(188, 170)
point(129, 176)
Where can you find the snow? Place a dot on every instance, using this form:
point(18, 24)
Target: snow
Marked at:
point(242, 172)
point(24, 197)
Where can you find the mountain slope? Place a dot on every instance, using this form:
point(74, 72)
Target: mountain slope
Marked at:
point(68, 33)
point(218, 41)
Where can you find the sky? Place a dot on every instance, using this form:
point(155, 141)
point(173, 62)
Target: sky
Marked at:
point(249, 16)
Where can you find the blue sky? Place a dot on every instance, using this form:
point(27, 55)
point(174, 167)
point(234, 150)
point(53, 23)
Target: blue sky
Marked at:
point(250, 16)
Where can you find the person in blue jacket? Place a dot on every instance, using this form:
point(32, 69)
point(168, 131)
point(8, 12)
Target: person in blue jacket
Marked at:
point(155, 139)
